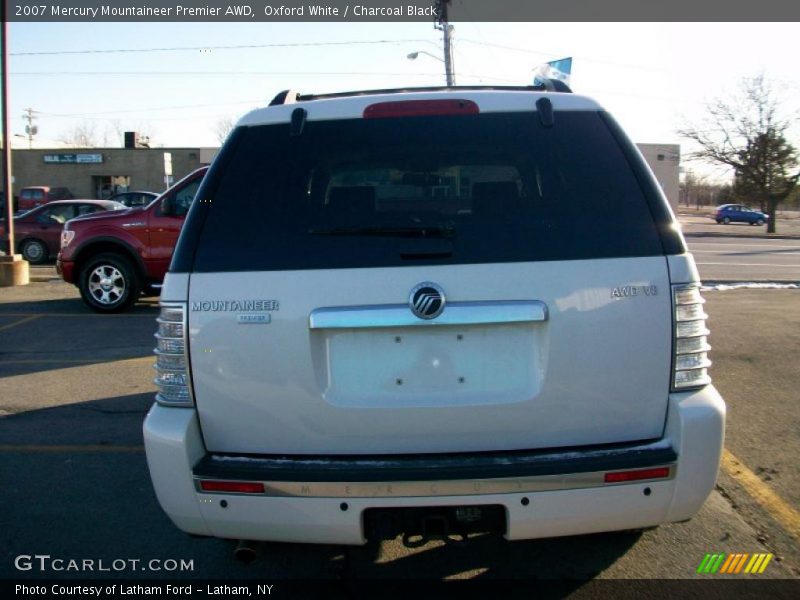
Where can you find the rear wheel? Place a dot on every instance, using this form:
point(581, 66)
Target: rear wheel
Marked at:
point(109, 283)
point(34, 251)
point(726, 220)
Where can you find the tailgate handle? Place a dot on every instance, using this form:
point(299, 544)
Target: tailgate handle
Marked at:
point(456, 313)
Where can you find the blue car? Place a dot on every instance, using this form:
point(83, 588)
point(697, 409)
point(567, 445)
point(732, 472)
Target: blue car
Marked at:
point(739, 213)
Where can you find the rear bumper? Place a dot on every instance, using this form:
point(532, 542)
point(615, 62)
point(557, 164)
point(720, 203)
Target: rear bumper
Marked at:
point(544, 495)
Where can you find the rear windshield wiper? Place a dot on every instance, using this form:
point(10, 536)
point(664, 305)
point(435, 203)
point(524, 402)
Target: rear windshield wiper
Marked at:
point(390, 231)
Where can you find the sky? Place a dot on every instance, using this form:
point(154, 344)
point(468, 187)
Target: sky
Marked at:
point(177, 82)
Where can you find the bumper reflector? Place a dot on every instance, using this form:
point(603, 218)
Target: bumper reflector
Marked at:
point(638, 474)
point(235, 487)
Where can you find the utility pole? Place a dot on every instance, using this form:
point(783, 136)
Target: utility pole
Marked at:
point(444, 26)
point(30, 129)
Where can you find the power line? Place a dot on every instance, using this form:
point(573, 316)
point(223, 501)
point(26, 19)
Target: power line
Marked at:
point(135, 110)
point(231, 47)
point(550, 54)
point(252, 74)
point(257, 102)
point(502, 47)
point(216, 73)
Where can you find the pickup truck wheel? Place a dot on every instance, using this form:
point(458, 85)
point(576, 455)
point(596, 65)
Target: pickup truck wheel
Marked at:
point(34, 251)
point(109, 283)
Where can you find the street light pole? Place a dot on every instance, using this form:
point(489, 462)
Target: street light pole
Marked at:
point(13, 270)
point(7, 190)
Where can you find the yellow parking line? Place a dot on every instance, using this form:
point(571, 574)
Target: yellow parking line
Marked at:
point(76, 361)
point(91, 448)
point(27, 319)
point(787, 516)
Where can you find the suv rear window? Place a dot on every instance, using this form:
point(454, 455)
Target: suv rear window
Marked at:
point(424, 190)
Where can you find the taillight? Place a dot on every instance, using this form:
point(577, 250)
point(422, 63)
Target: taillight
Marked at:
point(690, 355)
point(172, 357)
point(66, 237)
point(420, 108)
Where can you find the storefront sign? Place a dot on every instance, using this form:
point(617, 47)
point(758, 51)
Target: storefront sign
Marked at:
point(61, 159)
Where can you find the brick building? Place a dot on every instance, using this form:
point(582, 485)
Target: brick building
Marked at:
point(98, 172)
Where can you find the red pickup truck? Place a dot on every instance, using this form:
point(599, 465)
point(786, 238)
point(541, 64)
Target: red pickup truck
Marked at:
point(113, 257)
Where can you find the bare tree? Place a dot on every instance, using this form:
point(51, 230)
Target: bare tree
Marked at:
point(747, 134)
point(702, 191)
point(222, 128)
point(83, 134)
point(118, 130)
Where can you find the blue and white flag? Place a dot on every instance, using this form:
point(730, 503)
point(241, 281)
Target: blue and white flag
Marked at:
point(555, 69)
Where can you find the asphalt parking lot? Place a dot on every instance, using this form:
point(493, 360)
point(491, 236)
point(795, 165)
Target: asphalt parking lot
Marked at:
point(75, 386)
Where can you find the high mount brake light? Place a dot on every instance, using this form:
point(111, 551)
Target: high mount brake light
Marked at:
point(420, 108)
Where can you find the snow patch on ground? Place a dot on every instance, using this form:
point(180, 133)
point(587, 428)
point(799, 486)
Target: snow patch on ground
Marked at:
point(723, 287)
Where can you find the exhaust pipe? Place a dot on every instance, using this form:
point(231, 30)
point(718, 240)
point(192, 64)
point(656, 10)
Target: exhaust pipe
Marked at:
point(246, 551)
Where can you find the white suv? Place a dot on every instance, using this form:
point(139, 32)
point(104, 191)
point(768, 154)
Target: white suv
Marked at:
point(431, 312)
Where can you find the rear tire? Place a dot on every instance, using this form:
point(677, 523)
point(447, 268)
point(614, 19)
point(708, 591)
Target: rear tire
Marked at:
point(109, 283)
point(727, 220)
point(34, 251)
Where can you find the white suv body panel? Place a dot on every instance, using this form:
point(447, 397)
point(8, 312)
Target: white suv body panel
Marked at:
point(595, 373)
point(695, 428)
point(284, 388)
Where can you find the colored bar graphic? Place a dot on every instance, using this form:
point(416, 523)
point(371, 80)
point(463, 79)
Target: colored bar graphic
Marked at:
point(741, 562)
point(716, 564)
point(754, 562)
point(733, 564)
point(765, 563)
point(704, 564)
point(727, 564)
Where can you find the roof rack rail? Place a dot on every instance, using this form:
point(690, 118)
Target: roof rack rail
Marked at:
point(547, 85)
point(285, 97)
